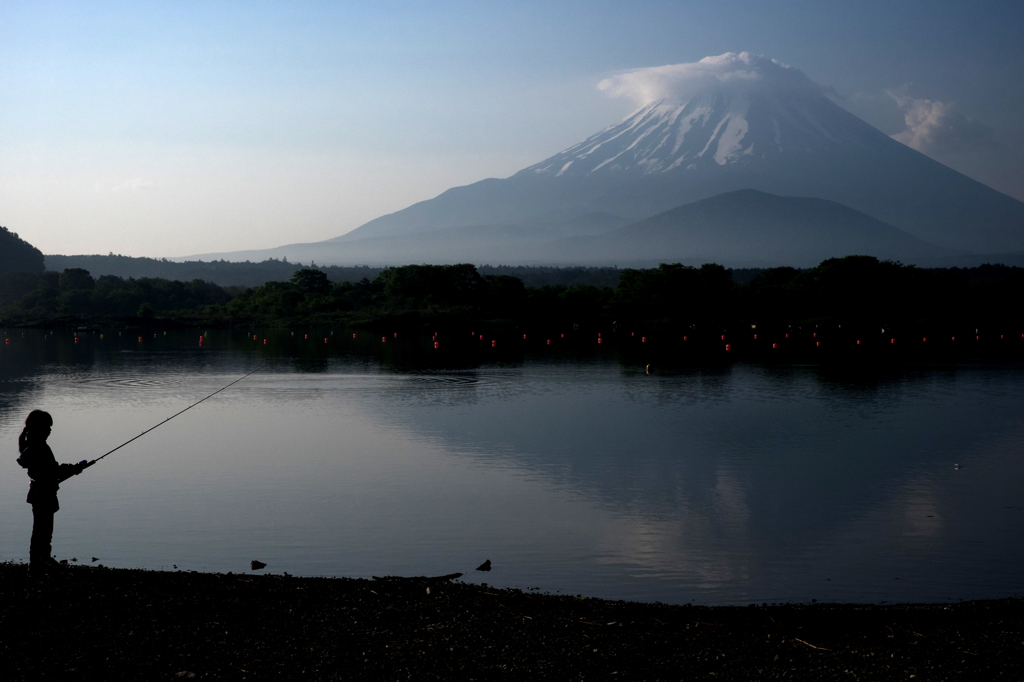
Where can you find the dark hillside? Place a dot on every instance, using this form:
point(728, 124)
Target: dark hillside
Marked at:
point(17, 255)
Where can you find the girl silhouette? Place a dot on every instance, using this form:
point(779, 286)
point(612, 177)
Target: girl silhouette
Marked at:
point(46, 476)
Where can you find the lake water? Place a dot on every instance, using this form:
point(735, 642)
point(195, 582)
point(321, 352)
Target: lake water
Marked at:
point(725, 484)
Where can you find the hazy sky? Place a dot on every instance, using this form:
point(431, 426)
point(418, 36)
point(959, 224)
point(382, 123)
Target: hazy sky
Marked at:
point(165, 129)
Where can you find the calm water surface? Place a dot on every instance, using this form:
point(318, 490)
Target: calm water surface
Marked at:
point(729, 484)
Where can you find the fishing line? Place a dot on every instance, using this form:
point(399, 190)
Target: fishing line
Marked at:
point(175, 415)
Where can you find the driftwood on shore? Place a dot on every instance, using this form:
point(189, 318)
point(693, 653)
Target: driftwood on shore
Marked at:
point(418, 578)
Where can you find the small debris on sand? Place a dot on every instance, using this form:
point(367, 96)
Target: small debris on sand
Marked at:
point(257, 565)
point(485, 566)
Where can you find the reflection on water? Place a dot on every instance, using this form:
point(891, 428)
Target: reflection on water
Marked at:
point(727, 484)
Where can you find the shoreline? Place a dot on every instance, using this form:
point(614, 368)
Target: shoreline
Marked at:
point(102, 623)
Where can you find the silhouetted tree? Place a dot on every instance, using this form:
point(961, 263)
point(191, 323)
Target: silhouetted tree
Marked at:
point(311, 281)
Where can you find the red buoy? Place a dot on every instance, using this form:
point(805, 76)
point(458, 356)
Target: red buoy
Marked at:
point(924, 340)
point(325, 339)
point(563, 336)
point(76, 340)
point(815, 334)
point(253, 337)
point(436, 345)
point(858, 342)
point(954, 338)
point(892, 340)
point(775, 345)
point(353, 336)
point(755, 337)
point(599, 335)
point(549, 342)
point(383, 339)
point(643, 339)
point(819, 344)
point(723, 337)
point(632, 333)
point(396, 335)
point(494, 343)
point(977, 338)
point(685, 338)
point(265, 342)
point(787, 336)
point(728, 347)
point(140, 339)
point(200, 340)
point(481, 337)
point(524, 337)
point(307, 336)
point(600, 340)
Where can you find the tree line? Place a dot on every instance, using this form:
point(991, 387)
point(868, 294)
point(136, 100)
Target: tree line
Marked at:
point(853, 291)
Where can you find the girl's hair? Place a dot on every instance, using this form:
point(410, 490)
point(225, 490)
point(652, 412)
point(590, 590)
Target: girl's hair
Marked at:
point(36, 420)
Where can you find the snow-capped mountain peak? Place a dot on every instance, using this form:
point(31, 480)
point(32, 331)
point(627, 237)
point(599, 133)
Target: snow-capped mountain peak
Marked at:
point(719, 126)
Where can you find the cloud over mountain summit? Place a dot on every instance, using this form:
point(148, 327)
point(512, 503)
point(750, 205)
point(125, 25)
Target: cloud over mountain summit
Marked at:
point(729, 72)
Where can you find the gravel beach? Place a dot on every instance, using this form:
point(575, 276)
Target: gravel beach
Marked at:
point(113, 624)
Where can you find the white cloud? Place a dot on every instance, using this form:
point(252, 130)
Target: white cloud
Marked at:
point(732, 70)
point(134, 185)
point(937, 127)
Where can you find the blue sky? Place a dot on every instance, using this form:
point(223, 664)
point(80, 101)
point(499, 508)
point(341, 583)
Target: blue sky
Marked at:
point(164, 129)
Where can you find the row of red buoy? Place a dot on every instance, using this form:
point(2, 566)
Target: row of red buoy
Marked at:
point(892, 340)
point(600, 339)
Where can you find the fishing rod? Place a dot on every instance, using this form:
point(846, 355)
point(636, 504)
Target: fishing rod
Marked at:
point(174, 415)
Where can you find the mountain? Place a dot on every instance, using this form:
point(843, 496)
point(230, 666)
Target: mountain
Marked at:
point(750, 228)
point(743, 122)
point(745, 228)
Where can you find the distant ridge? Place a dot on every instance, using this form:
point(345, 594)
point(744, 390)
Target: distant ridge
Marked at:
point(745, 228)
point(222, 273)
